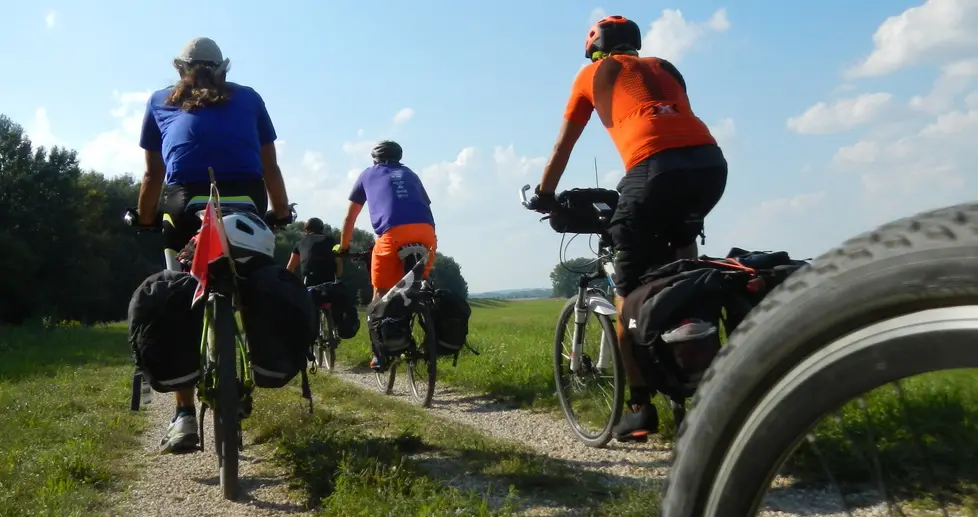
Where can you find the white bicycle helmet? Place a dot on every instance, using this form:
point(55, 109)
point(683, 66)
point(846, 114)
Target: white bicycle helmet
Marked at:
point(248, 234)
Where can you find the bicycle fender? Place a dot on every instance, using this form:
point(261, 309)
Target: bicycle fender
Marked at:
point(600, 305)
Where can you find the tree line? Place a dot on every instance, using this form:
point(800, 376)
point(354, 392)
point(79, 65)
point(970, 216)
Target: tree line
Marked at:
point(66, 254)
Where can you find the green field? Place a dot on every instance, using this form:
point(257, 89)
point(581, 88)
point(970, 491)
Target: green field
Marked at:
point(65, 427)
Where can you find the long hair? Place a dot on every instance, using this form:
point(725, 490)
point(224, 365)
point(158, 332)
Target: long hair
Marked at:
point(200, 85)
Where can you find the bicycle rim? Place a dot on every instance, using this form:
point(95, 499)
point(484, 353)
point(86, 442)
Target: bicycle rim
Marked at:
point(226, 423)
point(385, 379)
point(910, 345)
point(427, 356)
point(601, 417)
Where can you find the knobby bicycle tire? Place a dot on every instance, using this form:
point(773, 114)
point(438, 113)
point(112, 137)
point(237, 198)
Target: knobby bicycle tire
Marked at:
point(905, 269)
point(604, 436)
point(429, 356)
point(226, 425)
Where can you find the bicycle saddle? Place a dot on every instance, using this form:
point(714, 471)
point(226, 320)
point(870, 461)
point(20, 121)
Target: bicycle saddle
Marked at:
point(416, 250)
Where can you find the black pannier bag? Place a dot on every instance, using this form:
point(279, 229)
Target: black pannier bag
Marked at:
point(343, 307)
point(389, 325)
point(165, 331)
point(280, 322)
point(577, 213)
point(679, 307)
point(450, 315)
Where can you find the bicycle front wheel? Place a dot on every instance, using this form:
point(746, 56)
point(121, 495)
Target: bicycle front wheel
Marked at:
point(226, 424)
point(423, 365)
point(592, 396)
point(890, 304)
point(326, 344)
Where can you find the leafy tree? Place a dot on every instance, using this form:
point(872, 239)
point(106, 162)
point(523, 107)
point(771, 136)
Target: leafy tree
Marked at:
point(566, 277)
point(447, 274)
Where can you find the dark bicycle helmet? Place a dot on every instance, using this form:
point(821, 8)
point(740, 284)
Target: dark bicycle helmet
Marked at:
point(314, 225)
point(612, 33)
point(387, 151)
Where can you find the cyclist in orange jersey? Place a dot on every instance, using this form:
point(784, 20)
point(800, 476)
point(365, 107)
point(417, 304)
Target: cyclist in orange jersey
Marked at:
point(675, 172)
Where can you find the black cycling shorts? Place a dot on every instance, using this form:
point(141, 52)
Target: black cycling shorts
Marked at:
point(181, 203)
point(659, 201)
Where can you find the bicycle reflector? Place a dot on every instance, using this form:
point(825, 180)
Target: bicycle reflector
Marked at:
point(755, 285)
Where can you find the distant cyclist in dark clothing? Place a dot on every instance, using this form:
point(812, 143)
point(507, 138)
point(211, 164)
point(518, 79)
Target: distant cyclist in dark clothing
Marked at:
point(314, 257)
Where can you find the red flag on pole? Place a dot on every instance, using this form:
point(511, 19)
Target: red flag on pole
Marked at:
point(210, 247)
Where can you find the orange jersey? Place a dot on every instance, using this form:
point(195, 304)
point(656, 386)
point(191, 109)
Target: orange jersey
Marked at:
point(644, 108)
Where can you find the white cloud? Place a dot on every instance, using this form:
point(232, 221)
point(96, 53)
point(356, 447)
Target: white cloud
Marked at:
point(596, 14)
point(450, 177)
point(800, 204)
point(844, 87)
point(403, 116)
point(314, 161)
point(40, 130)
point(509, 164)
point(117, 151)
point(724, 131)
point(50, 19)
point(861, 152)
point(971, 100)
point(671, 36)
point(936, 29)
point(954, 79)
point(842, 114)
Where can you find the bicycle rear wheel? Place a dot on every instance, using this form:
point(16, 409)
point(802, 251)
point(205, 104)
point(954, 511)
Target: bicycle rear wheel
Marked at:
point(226, 423)
point(889, 304)
point(592, 397)
point(423, 365)
point(325, 345)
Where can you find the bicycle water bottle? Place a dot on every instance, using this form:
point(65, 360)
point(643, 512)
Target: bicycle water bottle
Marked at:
point(146, 392)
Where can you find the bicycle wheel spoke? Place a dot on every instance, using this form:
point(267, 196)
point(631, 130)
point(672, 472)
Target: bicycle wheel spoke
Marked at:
point(810, 437)
point(918, 447)
point(876, 462)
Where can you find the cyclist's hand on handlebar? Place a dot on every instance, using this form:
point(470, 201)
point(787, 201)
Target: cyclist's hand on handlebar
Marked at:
point(543, 202)
point(135, 220)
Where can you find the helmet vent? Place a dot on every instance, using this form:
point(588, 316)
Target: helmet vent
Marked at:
point(240, 225)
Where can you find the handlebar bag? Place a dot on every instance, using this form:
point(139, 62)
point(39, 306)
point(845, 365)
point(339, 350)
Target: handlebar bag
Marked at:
point(576, 213)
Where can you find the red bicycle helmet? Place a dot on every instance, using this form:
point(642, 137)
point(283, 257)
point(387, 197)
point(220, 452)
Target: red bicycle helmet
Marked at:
point(612, 33)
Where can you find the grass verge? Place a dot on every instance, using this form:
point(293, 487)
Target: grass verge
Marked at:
point(363, 453)
point(64, 419)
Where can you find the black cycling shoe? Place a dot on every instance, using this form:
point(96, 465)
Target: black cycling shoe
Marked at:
point(637, 424)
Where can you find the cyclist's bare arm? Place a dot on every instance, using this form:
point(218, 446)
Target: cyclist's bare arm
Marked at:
point(570, 132)
point(351, 219)
point(293, 262)
point(278, 199)
point(151, 188)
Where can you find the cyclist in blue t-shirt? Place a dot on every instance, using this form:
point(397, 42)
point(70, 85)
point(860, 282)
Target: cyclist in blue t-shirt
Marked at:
point(205, 121)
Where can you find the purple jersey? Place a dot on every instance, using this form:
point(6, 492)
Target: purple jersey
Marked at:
point(395, 196)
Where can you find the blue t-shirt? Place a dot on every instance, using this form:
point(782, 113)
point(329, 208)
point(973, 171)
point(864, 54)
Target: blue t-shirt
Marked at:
point(226, 136)
point(395, 196)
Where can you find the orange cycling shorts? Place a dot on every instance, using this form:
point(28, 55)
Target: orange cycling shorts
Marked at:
point(386, 268)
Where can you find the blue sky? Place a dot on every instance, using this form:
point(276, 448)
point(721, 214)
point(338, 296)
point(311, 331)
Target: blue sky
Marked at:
point(834, 117)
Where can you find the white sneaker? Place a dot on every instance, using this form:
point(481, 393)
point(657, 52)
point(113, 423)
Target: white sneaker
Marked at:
point(690, 330)
point(181, 435)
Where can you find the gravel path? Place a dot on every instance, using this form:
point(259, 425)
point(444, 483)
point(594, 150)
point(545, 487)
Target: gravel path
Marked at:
point(619, 463)
point(182, 485)
point(186, 485)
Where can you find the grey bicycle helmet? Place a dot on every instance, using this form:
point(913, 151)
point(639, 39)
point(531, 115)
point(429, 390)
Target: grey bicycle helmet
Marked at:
point(387, 151)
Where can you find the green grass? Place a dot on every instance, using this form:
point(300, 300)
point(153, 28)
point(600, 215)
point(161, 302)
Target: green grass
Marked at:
point(925, 441)
point(362, 453)
point(64, 419)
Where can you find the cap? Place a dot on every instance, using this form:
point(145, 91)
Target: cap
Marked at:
point(201, 49)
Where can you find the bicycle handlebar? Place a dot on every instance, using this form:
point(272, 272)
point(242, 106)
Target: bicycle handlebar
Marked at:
point(131, 218)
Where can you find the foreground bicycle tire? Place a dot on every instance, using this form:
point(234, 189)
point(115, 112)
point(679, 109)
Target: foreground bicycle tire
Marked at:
point(226, 424)
point(325, 349)
point(427, 353)
point(601, 438)
point(879, 299)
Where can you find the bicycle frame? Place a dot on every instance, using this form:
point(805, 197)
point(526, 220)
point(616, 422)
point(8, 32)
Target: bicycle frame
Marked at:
point(588, 300)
